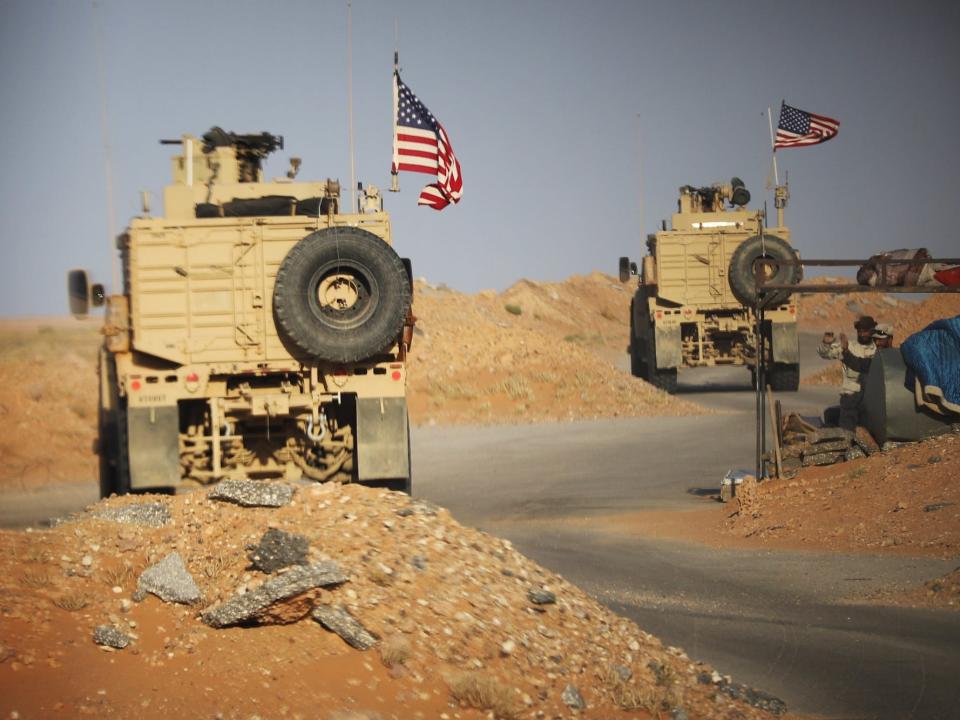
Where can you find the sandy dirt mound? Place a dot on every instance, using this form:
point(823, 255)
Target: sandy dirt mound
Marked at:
point(906, 500)
point(423, 618)
point(534, 353)
point(48, 402)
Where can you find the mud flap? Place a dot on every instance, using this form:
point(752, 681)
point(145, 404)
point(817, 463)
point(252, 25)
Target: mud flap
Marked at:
point(669, 353)
point(153, 436)
point(786, 346)
point(383, 440)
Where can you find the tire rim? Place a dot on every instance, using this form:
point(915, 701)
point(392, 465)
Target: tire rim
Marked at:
point(343, 294)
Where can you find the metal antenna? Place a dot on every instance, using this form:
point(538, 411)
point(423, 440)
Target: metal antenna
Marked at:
point(353, 170)
point(107, 153)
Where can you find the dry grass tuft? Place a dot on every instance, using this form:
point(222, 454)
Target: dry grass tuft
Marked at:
point(117, 576)
point(627, 696)
point(71, 601)
point(516, 387)
point(35, 579)
point(485, 692)
point(214, 565)
point(395, 651)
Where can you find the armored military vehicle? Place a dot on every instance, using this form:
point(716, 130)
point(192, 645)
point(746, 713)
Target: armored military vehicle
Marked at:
point(261, 330)
point(696, 300)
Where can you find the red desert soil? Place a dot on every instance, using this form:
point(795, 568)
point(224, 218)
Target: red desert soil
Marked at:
point(457, 632)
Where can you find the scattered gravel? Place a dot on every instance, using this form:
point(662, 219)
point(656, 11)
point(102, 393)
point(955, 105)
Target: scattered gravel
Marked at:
point(151, 514)
point(253, 493)
point(169, 580)
point(109, 636)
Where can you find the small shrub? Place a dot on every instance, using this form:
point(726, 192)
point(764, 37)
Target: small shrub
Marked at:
point(485, 692)
point(71, 601)
point(35, 579)
point(516, 387)
point(395, 651)
point(117, 576)
point(513, 309)
point(213, 566)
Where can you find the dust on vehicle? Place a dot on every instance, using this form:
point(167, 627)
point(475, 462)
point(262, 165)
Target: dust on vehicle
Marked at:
point(695, 303)
point(261, 331)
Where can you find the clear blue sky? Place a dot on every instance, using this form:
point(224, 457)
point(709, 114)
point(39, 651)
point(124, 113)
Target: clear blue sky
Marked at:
point(575, 123)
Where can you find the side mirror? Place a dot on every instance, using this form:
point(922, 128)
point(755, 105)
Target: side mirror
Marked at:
point(78, 292)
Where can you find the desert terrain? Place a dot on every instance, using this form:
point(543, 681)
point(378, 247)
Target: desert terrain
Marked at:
point(460, 623)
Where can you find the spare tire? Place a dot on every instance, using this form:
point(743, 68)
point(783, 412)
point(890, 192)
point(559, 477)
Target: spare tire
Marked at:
point(741, 271)
point(342, 295)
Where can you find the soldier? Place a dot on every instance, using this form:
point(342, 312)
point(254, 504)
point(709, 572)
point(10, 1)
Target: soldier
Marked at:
point(856, 361)
point(883, 336)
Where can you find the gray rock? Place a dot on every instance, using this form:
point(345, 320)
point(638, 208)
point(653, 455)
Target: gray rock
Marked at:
point(541, 597)
point(405, 511)
point(854, 453)
point(756, 698)
point(822, 458)
point(937, 506)
point(170, 581)
point(572, 698)
point(855, 307)
point(110, 637)
point(827, 434)
point(253, 493)
point(622, 671)
point(299, 579)
point(679, 714)
point(278, 549)
point(828, 446)
point(891, 445)
point(152, 514)
point(419, 562)
point(339, 621)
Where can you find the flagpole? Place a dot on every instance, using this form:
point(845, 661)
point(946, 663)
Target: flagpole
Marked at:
point(773, 147)
point(353, 169)
point(394, 173)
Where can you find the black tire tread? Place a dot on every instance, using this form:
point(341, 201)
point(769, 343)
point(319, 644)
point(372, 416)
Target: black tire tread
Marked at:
point(295, 321)
point(740, 272)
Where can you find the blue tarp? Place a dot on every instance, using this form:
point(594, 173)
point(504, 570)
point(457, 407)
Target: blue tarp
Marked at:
point(933, 354)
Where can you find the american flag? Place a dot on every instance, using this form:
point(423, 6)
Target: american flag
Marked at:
point(420, 144)
point(798, 128)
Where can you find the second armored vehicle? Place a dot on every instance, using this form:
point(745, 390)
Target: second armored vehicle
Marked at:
point(696, 297)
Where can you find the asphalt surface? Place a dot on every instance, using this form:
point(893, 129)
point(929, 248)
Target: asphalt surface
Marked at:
point(777, 621)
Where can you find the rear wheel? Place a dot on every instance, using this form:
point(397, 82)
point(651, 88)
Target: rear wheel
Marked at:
point(638, 367)
point(113, 450)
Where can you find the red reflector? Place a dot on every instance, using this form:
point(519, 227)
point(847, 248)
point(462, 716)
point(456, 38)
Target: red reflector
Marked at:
point(395, 375)
point(135, 385)
point(339, 372)
point(193, 377)
point(793, 310)
point(659, 314)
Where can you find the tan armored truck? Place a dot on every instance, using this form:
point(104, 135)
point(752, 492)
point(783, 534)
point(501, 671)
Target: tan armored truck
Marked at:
point(696, 297)
point(260, 332)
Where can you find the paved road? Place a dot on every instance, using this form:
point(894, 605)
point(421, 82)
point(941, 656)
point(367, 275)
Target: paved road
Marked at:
point(774, 620)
